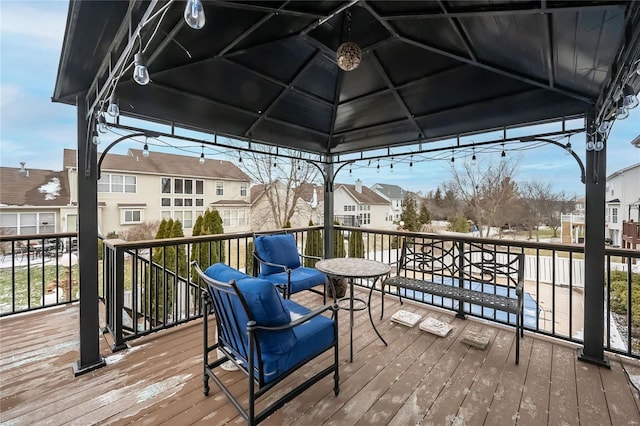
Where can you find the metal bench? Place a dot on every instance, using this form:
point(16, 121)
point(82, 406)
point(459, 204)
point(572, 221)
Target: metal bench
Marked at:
point(468, 274)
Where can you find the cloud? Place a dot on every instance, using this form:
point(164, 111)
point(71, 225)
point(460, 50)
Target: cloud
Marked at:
point(41, 21)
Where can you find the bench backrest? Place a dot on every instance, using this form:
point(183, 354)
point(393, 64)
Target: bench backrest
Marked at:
point(460, 263)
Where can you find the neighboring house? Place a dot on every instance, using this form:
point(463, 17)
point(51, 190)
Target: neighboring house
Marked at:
point(395, 195)
point(357, 205)
point(34, 201)
point(134, 189)
point(622, 201)
point(309, 205)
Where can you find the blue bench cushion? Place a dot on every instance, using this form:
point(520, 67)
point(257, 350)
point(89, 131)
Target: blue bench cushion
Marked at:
point(224, 273)
point(302, 278)
point(280, 249)
point(311, 338)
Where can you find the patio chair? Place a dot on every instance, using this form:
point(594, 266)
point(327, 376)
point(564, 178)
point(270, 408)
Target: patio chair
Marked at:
point(266, 336)
point(278, 261)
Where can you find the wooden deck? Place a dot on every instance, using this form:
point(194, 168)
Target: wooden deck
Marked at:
point(417, 379)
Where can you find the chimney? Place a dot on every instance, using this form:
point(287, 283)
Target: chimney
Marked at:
point(358, 186)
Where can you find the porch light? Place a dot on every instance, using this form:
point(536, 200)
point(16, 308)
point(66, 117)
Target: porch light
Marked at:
point(145, 150)
point(630, 100)
point(140, 72)
point(194, 14)
point(348, 56)
point(113, 109)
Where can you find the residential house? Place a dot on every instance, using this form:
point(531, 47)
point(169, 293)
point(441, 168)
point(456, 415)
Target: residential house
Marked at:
point(134, 189)
point(395, 195)
point(622, 201)
point(357, 205)
point(34, 201)
point(308, 205)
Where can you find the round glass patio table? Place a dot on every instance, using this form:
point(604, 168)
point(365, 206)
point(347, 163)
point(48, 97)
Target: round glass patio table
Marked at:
point(354, 268)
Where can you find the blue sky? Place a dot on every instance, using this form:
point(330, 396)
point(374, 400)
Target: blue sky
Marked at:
point(35, 130)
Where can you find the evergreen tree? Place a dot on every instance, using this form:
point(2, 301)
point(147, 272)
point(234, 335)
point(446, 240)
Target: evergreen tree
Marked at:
point(410, 214)
point(356, 244)
point(313, 246)
point(248, 268)
point(424, 217)
point(458, 224)
point(215, 228)
point(195, 247)
point(338, 241)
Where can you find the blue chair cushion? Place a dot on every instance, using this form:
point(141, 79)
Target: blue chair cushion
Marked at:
point(302, 278)
point(224, 273)
point(311, 338)
point(266, 305)
point(280, 249)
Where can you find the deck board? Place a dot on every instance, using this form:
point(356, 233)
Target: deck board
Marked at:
point(418, 378)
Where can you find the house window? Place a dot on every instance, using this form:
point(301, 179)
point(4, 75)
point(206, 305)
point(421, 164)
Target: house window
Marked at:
point(219, 188)
point(349, 208)
point(188, 186)
point(199, 202)
point(243, 189)
point(364, 218)
point(166, 202)
point(177, 202)
point(27, 223)
point(178, 186)
point(166, 185)
point(131, 216)
point(117, 183)
point(233, 217)
point(184, 216)
point(614, 215)
point(199, 187)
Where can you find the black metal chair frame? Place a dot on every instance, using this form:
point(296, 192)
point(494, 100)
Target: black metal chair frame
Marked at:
point(286, 288)
point(215, 297)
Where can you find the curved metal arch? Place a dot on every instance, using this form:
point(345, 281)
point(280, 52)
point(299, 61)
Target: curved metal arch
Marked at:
point(117, 141)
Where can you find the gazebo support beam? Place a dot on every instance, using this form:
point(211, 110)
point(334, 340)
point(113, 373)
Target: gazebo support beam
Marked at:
point(594, 253)
point(90, 357)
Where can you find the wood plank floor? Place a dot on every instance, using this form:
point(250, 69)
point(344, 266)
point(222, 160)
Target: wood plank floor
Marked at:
point(417, 379)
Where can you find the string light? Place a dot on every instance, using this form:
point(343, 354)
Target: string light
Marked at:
point(411, 161)
point(201, 160)
point(239, 156)
point(473, 157)
point(95, 139)
point(140, 72)
point(113, 109)
point(378, 166)
point(504, 154)
point(194, 14)
point(145, 150)
point(102, 124)
point(453, 158)
point(349, 169)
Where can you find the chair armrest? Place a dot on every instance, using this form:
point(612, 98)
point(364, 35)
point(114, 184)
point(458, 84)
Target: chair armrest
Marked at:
point(306, 256)
point(299, 321)
point(286, 268)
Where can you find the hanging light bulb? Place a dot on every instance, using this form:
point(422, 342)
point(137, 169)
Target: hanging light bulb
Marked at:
point(145, 150)
point(411, 161)
point(590, 144)
point(274, 164)
point(102, 124)
point(630, 100)
point(473, 157)
point(201, 160)
point(503, 154)
point(453, 158)
point(621, 111)
point(349, 169)
point(140, 72)
point(378, 167)
point(95, 139)
point(391, 167)
point(568, 145)
point(239, 156)
point(113, 109)
point(599, 145)
point(194, 14)
point(604, 126)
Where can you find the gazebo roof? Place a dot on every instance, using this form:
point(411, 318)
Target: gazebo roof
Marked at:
point(266, 71)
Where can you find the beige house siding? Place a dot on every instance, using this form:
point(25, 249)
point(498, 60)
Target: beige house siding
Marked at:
point(262, 218)
point(373, 210)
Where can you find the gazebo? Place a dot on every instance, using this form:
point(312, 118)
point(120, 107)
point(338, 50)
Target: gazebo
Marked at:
point(334, 79)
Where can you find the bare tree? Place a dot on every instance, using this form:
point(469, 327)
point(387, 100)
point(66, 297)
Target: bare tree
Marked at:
point(488, 191)
point(284, 182)
point(543, 206)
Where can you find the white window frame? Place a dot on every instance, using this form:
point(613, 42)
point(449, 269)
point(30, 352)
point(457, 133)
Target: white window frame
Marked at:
point(219, 188)
point(125, 184)
point(131, 210)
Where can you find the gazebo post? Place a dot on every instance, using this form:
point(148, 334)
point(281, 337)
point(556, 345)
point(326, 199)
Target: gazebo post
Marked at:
point(328, 208)
point(90, 357)
point(594, 254)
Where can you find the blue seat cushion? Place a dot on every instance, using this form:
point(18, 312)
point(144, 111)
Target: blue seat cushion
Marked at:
point(311, 338)
point(224, 273)
point(280, 249)
point(302, 278)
